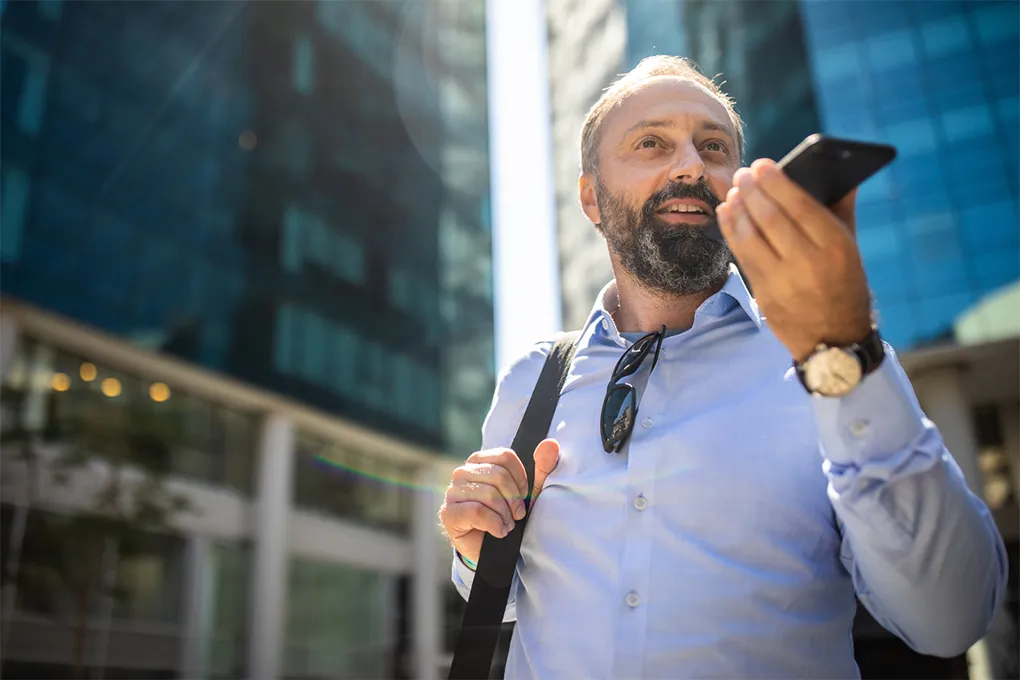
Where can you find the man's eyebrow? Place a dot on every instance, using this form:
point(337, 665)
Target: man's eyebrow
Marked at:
point(648, 123)
point(710, 126)
point(706, 126)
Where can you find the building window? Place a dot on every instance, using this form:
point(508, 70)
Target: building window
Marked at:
point(14, 197)
point(303, 65)
point(341, 621)
point(362, 486)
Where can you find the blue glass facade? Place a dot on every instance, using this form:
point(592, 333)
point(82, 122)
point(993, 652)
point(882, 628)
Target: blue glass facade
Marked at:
point(295, 194)
point(938, 229)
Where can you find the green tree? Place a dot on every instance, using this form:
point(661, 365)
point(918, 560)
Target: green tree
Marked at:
point(123, 447)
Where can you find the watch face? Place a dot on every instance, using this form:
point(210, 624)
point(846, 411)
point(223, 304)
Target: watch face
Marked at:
point(832, 372)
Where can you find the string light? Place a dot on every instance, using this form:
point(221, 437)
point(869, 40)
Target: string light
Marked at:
point(159, 392)
point(88, 372)
point(61, 382)
point(110, 387)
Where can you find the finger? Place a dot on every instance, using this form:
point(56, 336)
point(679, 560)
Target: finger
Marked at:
point(497, 476)
point(489, 496)
point(547, 457)
point(774, 225)
point(810, 215)
point(478, 516)
point(508, 460)
point(753, 251)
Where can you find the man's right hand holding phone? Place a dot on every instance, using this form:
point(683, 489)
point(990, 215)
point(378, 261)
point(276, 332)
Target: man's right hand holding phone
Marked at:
point(487, 495)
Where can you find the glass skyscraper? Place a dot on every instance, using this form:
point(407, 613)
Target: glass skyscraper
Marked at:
point(267, 223)
point(295, 194)
point(938, 229)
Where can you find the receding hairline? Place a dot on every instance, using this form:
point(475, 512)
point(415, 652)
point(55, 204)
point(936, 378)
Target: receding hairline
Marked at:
point(705, 124)
point(650, 71)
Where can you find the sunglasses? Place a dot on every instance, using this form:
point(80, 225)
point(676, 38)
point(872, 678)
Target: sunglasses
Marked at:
point(619, 408)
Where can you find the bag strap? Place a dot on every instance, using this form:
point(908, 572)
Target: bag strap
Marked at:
point(479, 631)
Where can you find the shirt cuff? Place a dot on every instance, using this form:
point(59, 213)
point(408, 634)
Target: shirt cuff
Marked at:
point(461, 571)
point(878, 418)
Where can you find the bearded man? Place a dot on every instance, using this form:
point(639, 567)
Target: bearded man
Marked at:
point(780, 463)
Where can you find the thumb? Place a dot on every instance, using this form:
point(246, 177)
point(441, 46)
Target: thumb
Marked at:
point(547, 455)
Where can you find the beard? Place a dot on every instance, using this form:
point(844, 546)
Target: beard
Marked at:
point(675, 260)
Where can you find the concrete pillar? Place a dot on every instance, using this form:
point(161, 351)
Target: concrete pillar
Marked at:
point(1009, 418)
point(428, 613)
point(270, 552)
point(9, 337)
point(199, 607)
point(940, 392)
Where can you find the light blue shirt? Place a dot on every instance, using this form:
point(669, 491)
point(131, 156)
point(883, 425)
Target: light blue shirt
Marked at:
point(729, 538)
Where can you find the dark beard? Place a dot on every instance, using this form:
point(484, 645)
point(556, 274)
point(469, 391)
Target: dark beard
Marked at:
point(675, 260)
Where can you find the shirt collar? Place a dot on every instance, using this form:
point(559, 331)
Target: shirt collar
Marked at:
point(733, 293)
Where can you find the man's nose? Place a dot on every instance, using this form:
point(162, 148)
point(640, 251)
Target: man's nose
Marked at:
point(687, 165)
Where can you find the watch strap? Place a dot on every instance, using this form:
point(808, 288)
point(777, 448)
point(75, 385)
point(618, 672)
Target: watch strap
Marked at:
point(870, 352)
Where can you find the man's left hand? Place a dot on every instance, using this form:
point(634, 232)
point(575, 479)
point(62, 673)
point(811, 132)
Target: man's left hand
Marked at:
point(800, 257)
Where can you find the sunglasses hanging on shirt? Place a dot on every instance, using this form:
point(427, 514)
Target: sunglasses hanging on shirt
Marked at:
point(619, 408)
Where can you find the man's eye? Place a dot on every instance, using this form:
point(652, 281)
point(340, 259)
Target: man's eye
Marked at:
point(649, 143)
point(715, 146)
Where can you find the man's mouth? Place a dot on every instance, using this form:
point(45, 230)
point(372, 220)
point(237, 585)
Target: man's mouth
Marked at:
point(685, 211)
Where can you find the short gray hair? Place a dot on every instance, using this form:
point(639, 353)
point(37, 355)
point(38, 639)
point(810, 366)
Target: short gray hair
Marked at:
point(650, 67)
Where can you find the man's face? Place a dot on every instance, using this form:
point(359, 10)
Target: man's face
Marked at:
point(667, 156)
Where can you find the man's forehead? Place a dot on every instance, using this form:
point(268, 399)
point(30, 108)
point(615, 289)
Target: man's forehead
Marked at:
point(667, 98)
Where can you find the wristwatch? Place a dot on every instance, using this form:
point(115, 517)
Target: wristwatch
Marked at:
point(836, 371)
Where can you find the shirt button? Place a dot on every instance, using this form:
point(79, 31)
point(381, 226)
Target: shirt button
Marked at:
point(605, 325)
point(648, 422)
point(640, 503)
point(633, 600)
point(859, 428)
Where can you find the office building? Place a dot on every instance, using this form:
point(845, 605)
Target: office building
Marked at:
point(267, 224)
point(938, 229)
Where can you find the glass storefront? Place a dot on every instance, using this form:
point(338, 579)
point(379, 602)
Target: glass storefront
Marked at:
point(340, 622)
point(65, 397)
point(347, 483)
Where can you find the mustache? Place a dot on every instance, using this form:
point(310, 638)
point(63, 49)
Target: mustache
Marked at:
point(681, 190)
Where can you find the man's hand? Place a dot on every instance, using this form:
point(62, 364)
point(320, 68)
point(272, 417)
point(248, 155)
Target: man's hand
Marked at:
point(487, 494)
point(800, 258)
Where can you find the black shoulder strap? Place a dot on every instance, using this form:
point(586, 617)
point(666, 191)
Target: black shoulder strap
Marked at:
point(472, 658)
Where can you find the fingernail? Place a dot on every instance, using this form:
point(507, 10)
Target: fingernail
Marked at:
point(509, 527)
point(521, 511)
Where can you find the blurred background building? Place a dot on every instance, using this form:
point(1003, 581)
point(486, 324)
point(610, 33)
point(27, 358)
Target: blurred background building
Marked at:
point(267, 225)
point(938, 229)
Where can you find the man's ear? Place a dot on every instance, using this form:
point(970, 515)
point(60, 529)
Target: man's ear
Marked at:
point(589, 202)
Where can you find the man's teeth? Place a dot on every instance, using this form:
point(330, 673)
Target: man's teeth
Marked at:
point(684, 208)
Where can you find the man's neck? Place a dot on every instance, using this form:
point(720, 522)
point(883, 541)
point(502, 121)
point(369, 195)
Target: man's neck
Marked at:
point(642, 310)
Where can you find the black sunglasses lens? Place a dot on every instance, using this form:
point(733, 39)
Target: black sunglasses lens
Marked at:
point(617, 416)
point(632, 359)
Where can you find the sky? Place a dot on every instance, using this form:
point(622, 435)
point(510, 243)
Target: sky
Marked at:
point(525, 260)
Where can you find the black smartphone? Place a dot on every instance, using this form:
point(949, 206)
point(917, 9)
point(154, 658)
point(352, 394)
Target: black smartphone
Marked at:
point(829, 168)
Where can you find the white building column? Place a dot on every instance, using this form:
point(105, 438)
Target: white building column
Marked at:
point(1009, 418)
point(9, 337)
point(271, 551)
point(199, 607)
point(940, 392)
point(426, 607)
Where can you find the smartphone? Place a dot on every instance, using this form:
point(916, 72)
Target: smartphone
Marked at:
point(829, 168)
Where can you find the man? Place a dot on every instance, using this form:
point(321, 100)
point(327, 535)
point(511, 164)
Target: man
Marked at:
point(724, 530)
